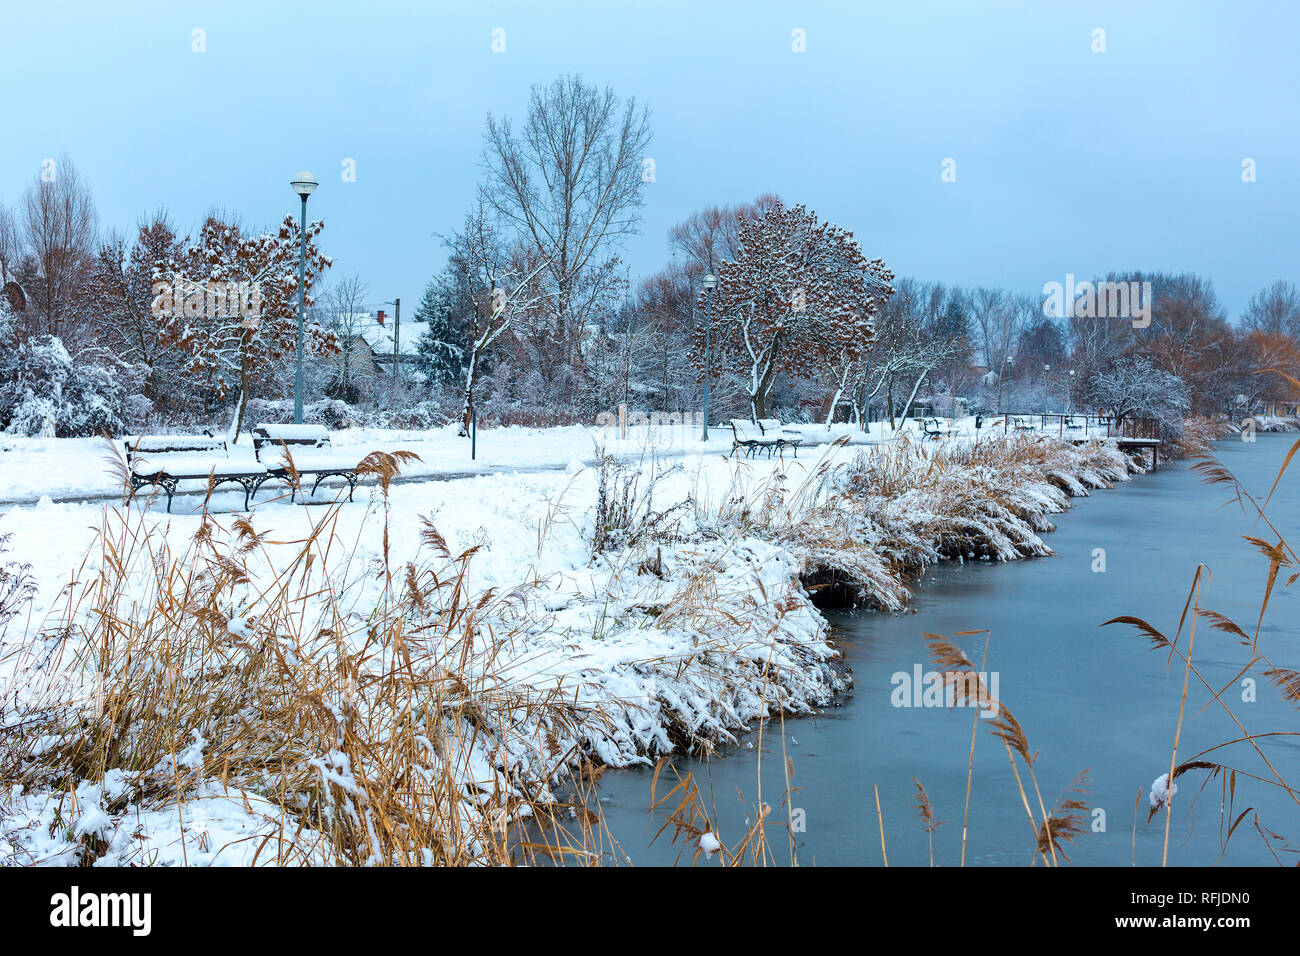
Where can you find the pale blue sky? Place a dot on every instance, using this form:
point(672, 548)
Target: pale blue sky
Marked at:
point(1067, 160)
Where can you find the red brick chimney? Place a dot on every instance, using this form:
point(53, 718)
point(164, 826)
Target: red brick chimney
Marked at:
point(380, 317)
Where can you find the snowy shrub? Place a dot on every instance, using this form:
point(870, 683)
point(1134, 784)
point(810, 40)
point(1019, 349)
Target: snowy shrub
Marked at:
point(426, 414)
point(44, 392)
point(625, 515)
point(333, 413)
point(273, 411)
point(33, 417)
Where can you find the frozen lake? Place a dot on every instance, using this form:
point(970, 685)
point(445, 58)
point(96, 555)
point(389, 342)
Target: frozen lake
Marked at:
point(1088, 697)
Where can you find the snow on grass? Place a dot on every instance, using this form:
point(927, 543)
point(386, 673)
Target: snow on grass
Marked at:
point(411, 677)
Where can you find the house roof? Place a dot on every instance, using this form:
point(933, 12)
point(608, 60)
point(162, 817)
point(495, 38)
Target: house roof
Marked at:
point(380, 337)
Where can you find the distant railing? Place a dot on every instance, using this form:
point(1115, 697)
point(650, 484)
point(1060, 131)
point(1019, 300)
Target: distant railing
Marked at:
point(1084, 425)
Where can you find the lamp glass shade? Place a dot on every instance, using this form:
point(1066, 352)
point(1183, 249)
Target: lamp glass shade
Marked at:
point(709, 281)
point(304, 184)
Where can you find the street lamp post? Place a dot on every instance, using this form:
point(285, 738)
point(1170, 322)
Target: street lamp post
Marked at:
point(709, 282)
point(1008, 361)
point(1046, 369)
point(397, 333)
point(304, 184)
point(1070, 398)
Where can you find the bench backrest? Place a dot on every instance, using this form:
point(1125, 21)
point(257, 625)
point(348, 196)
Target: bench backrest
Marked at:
point(745, 430)
point(174, 445)
point(769, 425)
point(311, 436)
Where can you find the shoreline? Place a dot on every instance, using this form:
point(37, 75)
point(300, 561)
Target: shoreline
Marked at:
point(695, 621)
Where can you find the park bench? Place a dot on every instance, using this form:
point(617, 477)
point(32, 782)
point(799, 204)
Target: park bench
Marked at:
point(165, 461)
point(932, 428)
point(764, 435)
point(308, 448)
point(1022, 424)
point(786, 436)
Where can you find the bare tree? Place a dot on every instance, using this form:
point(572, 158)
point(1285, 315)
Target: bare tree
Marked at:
point(498, 286)
point(1134, 387)
point(60, 223)
point(345, 303)
point(711, 236)
point(570, 185)
point(912, 341)
point(999, 320)
point(1274, 310)
point(10, 244)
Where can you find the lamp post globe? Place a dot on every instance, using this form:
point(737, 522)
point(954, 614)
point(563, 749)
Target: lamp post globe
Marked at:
point(304, 184)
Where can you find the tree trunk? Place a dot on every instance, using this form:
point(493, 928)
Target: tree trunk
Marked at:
point(915, 388)
point(232, 436)
point(467, 409)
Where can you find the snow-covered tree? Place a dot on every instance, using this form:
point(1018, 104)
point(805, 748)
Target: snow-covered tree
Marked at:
point(916, 334)
point(493, 286)
point(445, 309)
point(799, 293)
point(1135, 387)
point(45, 392)
point(227, 344)
point(121, 291)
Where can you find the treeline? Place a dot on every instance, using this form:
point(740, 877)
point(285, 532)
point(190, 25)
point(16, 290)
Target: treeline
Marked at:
point(535, 319)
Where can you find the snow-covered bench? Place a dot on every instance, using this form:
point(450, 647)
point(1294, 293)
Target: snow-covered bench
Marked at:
point(1022, 424)
point(165, 461)
point(933, 428)
point(767, 434)
point(308, 448)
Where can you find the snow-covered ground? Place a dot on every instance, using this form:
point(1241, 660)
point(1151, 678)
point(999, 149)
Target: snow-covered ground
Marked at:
point(691, 621)
point(66, 468)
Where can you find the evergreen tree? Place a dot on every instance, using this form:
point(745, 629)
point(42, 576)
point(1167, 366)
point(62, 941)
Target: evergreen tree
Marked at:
point(441, 349)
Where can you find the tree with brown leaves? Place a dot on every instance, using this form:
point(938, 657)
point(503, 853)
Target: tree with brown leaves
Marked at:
point(231, 334)
point(799, 294)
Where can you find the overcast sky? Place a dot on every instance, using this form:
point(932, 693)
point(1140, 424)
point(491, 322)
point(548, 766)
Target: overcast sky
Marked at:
point(1066, 160)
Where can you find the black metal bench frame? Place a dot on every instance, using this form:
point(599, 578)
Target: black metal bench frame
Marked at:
point(752, 446)
point(262, 440)
point(168, 480)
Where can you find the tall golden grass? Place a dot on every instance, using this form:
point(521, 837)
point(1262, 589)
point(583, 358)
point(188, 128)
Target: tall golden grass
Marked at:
point(375, 722)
